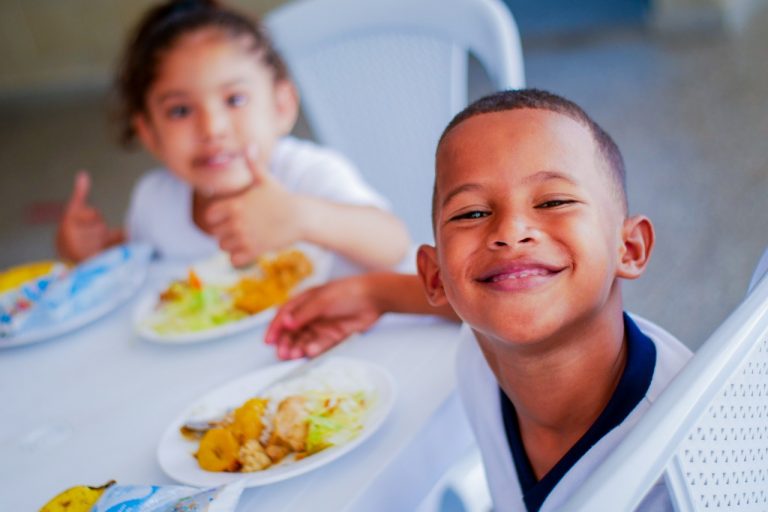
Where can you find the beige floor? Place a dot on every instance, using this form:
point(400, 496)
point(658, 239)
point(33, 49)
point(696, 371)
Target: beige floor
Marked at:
point(690, 114)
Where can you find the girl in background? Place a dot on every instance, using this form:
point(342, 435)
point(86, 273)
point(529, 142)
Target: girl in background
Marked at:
point(205, 92)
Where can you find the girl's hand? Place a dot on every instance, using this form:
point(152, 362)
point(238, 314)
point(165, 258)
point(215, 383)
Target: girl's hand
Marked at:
point(82, 231)
point(262, 218)
point(322, 317)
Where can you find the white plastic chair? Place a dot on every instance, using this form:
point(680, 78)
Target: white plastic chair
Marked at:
point(760, 270)
point(707, 434)
point(380, 79)
point(463, 488)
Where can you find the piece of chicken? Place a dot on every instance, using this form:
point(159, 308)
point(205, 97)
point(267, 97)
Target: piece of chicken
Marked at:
point(290, 423)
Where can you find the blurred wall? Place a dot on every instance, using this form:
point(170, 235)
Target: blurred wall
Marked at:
point(729, 15)
point(54, 45)
point(50, 45)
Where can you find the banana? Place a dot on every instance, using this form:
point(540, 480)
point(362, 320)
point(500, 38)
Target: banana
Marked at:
point(218, 451)
point(247, 424)
point(76, 499)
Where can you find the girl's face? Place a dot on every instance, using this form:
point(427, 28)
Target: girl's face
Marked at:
point(212, 99)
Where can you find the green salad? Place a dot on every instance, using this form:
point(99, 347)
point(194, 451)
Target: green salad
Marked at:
point(334, 419)
point(189, 306)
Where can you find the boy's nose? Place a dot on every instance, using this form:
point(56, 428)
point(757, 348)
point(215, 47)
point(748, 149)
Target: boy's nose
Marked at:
point(512, 232)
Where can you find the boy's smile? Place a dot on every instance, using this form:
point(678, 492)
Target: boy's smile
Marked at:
point(527, 225)
point(518, 274)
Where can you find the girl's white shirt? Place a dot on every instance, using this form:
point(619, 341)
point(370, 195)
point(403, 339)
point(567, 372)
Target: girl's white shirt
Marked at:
point(160, 212)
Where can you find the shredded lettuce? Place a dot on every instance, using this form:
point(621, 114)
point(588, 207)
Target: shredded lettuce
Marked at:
point(334, 419)
point(193, 310)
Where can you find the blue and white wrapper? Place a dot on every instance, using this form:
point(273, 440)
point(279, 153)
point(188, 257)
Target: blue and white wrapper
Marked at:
point(168, 498)
point(75, 291)
point(17, 305)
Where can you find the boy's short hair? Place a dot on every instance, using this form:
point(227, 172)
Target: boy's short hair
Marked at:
point(543, 100)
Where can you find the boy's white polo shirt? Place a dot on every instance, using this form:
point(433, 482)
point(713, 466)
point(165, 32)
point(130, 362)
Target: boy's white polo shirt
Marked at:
point(480, 395)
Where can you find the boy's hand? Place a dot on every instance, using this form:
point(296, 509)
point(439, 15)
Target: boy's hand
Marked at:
point(262, 218)
point(322, 317)
point(82, 231)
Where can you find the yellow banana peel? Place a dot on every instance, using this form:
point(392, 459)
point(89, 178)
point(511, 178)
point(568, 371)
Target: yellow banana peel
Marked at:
point(80, 498)
point(16, 276)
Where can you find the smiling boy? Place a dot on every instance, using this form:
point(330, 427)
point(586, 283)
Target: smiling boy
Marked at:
point(532, 237)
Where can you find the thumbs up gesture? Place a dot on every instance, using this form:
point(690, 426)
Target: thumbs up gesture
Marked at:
point(82, 231)
point(264, 217)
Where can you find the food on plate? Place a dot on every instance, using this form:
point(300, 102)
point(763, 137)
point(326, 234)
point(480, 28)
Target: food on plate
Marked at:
point(81, 498)
point(291, 423)
point(191, 306)
point(325, 407)
point(278, 277)
point(194, 304)
point(219, 450)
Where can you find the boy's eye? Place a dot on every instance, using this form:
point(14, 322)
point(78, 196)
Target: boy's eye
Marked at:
point(237, 100)
point(554, 203)
point(472, 215)
point(178, 111)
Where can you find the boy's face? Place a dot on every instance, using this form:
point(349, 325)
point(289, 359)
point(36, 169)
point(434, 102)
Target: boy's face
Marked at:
point(529, 233)
point(211, 100)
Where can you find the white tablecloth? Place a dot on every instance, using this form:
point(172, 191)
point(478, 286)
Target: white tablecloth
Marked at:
point(91, 406)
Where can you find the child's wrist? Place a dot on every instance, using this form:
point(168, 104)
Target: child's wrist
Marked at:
point(301, 217)
point(379, 288)
point(370, 284)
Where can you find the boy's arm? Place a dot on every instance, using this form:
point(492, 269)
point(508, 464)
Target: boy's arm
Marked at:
point(322, 317)
point(403, 293)
point(82, 231)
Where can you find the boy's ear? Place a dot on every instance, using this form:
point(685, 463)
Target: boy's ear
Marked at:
point(429, 273)
point(144, 131)
point(637, 244)
point(286, 105)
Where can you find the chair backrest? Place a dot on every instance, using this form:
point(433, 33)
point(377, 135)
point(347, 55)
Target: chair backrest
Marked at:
point(707, 434)
point(760, 270)
point(380, 79)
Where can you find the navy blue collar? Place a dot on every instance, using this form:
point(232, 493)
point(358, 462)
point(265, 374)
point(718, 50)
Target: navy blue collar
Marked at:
point(632, 387)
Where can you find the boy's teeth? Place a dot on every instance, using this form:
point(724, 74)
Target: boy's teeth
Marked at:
point(519, 275)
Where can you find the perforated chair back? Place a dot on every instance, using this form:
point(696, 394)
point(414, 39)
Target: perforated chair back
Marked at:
point(380, 79)
point(707, 434)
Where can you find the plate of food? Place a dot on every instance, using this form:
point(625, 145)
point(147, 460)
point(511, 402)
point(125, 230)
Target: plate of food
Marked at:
point(213, 299)
point(277, 422)
point(43, 300)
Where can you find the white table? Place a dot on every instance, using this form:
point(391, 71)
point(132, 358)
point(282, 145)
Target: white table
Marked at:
point(91, 406)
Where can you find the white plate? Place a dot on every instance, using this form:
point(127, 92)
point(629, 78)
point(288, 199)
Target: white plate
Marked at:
point(321, 263)
point(120, 291)
point(176, 454)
